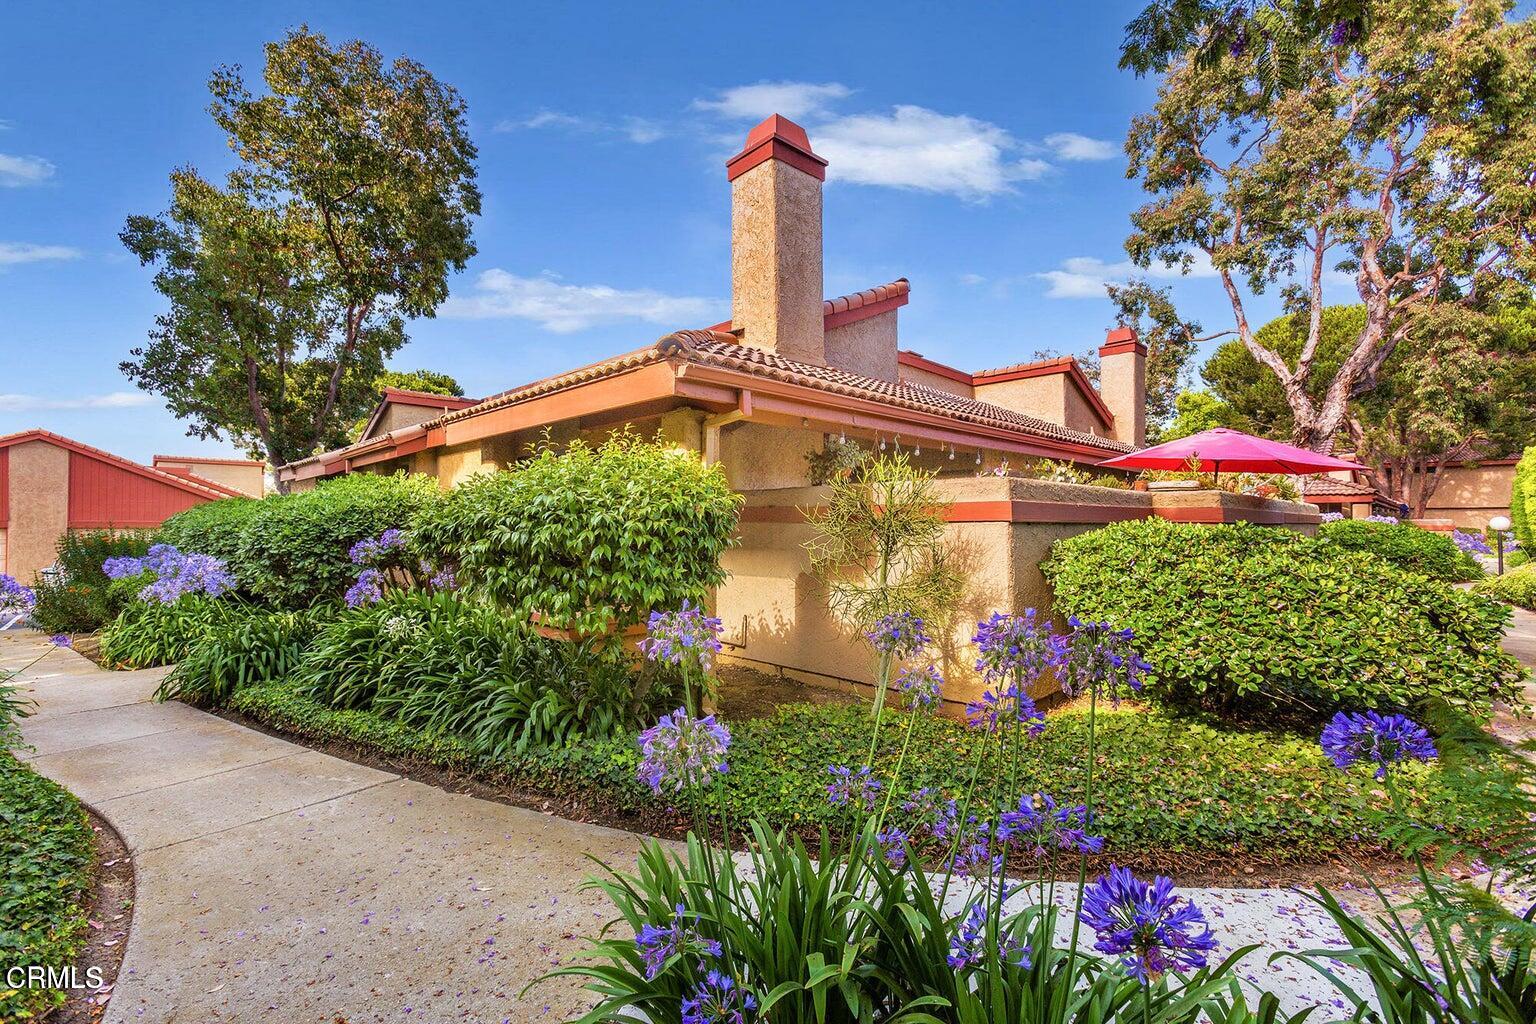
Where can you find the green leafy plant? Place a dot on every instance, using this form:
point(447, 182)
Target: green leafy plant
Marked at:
point(1522, 500)
point(446, 665)
point(80, 598)
point(879, 551)
point(1404, 545)
point(1516, 586)
point(1246, 618)
point(46, 852)
point(246, 650)
point(590, 539)
point(293, 548)
point(149, 633)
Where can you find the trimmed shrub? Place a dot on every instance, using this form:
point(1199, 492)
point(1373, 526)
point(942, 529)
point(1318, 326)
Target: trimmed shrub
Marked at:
point(1522, 500)
point(149, 633)
point(293, 548)
point(446, 665)
point(1256, 619)
point(80, 599)
point(1406, 546)
point(1516, 586)
point(46, 851)
point(244, 651)
point(214, 528)
point(589, 539)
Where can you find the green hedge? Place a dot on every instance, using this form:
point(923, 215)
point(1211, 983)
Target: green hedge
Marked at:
point(591, 537)
point(1256, 619)
point(293, 548)
point(1165, 785)
point(214, 528)
point(80, 599)
point(1406, 546)
point(1517, 587)
point(46, 857)
point(1522, 500)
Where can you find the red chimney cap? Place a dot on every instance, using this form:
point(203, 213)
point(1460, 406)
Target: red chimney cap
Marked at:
point(777, 138)
point(1121, 339)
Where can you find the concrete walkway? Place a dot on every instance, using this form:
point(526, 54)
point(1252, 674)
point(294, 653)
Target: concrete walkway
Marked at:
point(278, 883)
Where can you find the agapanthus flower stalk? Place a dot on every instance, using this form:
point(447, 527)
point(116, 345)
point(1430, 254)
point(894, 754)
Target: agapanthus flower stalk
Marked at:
point(1152, 930)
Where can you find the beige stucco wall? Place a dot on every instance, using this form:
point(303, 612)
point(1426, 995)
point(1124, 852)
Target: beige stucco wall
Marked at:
point(776, 276)
point(1080, 415)
point(397, 416)
point(39, 495)
point(1042, 397)
point(1123, 386)
point(937, 381)
point(757, 456)
point(249, 479)
point(1470, 496)
point(865, 346)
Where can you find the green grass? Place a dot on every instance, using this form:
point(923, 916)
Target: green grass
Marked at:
point(46, 851)
point(1167, 787)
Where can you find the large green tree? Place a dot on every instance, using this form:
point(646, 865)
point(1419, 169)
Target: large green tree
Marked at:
point(291, 283)
point(1404, 160)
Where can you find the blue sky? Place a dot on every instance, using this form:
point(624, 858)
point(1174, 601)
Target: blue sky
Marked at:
point(976, 153)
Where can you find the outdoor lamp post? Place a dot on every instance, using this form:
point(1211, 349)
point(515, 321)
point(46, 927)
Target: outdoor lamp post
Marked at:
point(1498, 524)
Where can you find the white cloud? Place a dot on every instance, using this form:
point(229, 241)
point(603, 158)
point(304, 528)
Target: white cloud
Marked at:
point(636, 129)
point(1084, 277)
point(563, 308)
point(12, 253)
point(917, 148)
point(792, 99)
point(972, 279)
point(114, 400)
point(1072, 146)
point(16, 171)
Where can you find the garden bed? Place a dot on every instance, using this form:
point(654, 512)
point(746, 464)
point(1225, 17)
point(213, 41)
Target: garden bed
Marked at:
point(1207, 805)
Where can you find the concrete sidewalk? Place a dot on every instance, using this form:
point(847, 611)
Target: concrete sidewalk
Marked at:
point(276, 883)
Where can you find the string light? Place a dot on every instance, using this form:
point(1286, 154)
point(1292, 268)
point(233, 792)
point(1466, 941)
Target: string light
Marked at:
point(978, 456)
point(882, 442)
point(951, 453)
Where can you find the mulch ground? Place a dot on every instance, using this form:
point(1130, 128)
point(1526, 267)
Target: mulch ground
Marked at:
point(110, 915)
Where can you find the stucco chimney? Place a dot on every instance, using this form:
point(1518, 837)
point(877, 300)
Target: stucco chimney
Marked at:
point(776, 241)
point(1123, 383)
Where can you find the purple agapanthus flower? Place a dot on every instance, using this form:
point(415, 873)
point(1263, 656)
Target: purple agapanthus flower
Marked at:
point(968, 944)
point(893, 843)
point(369, 550)
point(1382, 740)
point(1040, 826)
point(933, 812)
point(1011, 648)
point(683, 636)
point(14, 597)
point(979, 854)
point(1152, 930)
point(1387, 520)
point(368, 589)
point(1472, 543)
point(680, 751)
point(61, 640)
point(718, 1000)
point(1330, 517)
point(919, 687)
point(1098, 657)
point(175, 574)
point(900, 635)
point(849, 786)
point(997, 710)
point(658, 942)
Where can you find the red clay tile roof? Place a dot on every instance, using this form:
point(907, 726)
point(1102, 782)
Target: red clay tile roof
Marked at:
point(1327, 485)
point(868, 297)
point(157, 459)
point(718, 349)
point(405, 396)
point(711, 348)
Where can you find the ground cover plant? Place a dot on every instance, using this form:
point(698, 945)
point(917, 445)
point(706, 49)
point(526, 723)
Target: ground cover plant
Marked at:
point(1517, 586)
point(1251, 620)
point(1436, 555)
point(79, 598)
point(591, 539)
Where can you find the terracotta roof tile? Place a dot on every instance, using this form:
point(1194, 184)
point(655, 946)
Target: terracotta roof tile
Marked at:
point(1328, 485)
point(867, 297)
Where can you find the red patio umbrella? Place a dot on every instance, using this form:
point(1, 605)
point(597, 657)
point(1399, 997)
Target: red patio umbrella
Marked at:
point(1232, 450)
